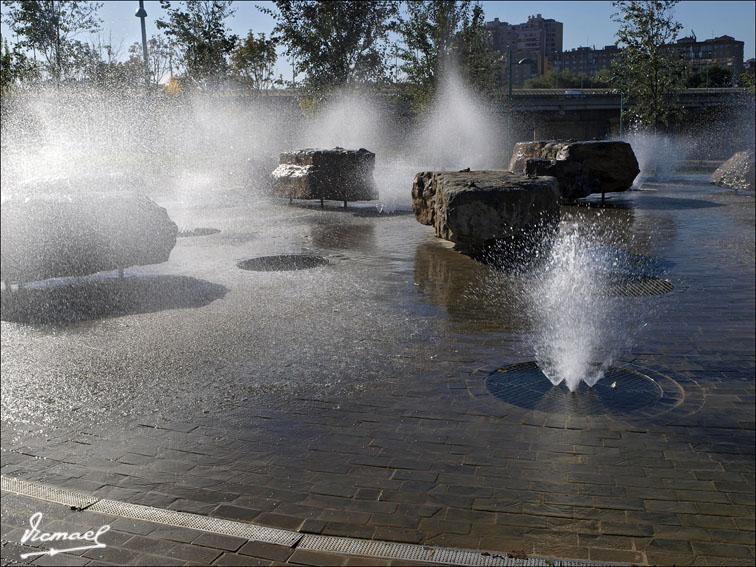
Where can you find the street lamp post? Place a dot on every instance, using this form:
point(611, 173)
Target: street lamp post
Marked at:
point(141, 13)
point(621, 113)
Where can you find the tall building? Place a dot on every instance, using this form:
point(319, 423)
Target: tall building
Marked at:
point(585, 61)
point(723, 51)
point(533, 42)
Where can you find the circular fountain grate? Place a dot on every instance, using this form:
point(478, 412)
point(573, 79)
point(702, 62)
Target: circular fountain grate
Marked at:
point(201, 231)
point(638, 286)
point(622, 391)
point(285, 262)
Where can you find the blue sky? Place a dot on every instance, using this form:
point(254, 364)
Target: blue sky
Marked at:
point(585, 22)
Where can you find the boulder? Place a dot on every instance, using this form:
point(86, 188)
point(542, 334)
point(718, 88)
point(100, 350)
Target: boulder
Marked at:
point(338, 174)
point(523, 151)
point(57, 235)
point(737, 172)
point(484, 210)
point(582, 168)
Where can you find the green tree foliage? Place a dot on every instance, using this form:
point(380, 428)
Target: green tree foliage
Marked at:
point(710, 77)
point(335, 43)
point(253, 61)
point(440, 33)
point(160, 56)
point(48, 29)
point(566, 80)
point(197, 30)
point(15, 67)
point(747, 81)
point(644, 71)
point(480, 63)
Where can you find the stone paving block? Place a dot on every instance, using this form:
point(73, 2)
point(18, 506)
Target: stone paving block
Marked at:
point(147, 545)
point(219, 541)
point(133, 526)
point(344, 516)
point(279, 521)
point(173, 533)
point(193, 553)
point(305, 557)
point(722, 549)
point(366, 562)
point(232, 559)
point(669, 546)
point(626, 529)
point(115, 555)
point(230, 512)
point(148, 560)
point(191, 506)
point(670, 506)
point(719, 561)
point(405, 535)
point(61, 560)
point(348, 530)
point(615, 555)
point(266, 551)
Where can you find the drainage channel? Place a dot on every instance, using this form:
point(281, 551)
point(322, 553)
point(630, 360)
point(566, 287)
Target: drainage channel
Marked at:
point(337, 545)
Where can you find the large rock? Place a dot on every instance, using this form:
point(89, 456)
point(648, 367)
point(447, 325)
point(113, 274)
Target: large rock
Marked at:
point(582, 168)
point(338, 174)
point(484, 210)
point(523, 151)
point(737, 172)
point(56, 235)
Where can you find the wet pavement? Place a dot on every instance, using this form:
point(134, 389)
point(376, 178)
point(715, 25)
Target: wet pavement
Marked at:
point(350, 399)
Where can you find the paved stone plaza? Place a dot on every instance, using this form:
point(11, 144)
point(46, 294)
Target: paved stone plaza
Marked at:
point(350, 399)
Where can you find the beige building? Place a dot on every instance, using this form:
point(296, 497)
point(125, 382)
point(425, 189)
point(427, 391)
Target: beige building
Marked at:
point(533, 42)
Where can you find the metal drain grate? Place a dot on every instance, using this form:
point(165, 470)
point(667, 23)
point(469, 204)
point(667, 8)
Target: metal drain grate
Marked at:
point(285, 262)
point(622, 391)
point(41, 491)
point(201, 231)
point(430, 554)
point(195, 522)
point(639, 286)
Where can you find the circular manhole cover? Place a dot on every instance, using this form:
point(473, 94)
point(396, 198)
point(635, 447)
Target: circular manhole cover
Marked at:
point(201, 231)
point(622, 391)
point(282, 263)
point(638, 286)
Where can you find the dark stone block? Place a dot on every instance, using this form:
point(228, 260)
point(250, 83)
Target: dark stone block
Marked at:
point(57, 235)
point(337, 174)
point(582, 168)
point(484, 210)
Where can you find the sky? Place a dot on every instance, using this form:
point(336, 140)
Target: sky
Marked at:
point(586, 23)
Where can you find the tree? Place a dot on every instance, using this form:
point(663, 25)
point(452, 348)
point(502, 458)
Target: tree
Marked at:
point(480, 63)
point(49, 28)
point(254, 60)
point(160, 55)
point(644, 71)
point(335, 43)
point(566, 80)
point(439, 33)
point(428, 31)
point(710, 77)
point(15, 67)
point(746, 80)
point(197, 30)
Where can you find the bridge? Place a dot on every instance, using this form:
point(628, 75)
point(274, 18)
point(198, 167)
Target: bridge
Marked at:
point(545, 100)
point(718, 121)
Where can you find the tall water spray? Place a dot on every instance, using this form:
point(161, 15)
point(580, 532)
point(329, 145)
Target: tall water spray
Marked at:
point(579, 329)
point(458, 129)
